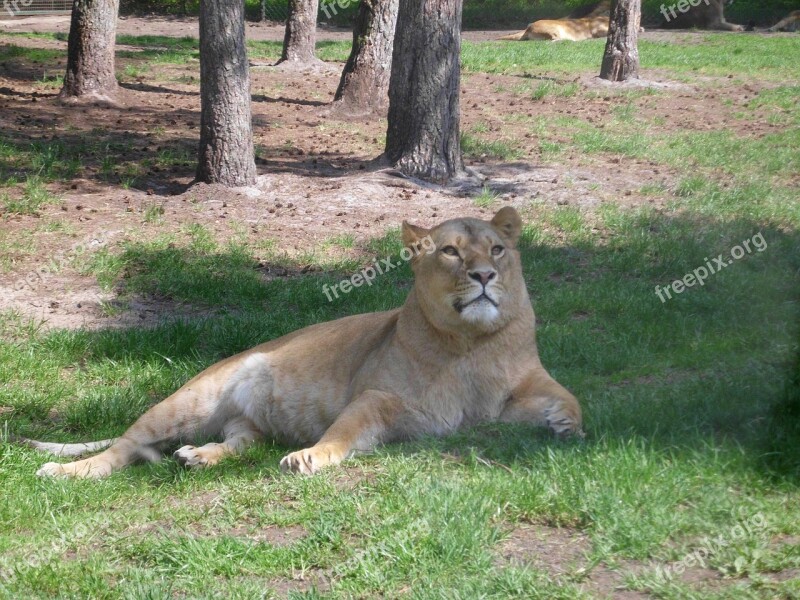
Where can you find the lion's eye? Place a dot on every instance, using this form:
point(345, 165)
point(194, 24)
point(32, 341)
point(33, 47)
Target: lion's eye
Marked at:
point(498, 251)
point(450, 251)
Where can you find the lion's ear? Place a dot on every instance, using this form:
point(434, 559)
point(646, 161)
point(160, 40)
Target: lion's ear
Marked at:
point(413, 234)
point(508, 224)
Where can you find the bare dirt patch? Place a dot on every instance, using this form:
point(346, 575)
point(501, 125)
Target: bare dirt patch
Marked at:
point(563, 554)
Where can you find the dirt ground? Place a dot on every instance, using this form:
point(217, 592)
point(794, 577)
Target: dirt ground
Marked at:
point(179, 26)
point(318, 178)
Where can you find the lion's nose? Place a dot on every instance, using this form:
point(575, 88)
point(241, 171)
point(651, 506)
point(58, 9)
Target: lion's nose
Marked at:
point(483, 276)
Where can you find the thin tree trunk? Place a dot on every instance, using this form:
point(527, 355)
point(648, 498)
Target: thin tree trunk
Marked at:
point(364, 86)
point(300, 38)
point(621, 58)
point(226, 133)
point(423, 137)
point(90, 51)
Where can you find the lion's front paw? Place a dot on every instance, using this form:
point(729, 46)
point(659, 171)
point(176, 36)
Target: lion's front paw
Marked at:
point(310, 460)
point(565, 421)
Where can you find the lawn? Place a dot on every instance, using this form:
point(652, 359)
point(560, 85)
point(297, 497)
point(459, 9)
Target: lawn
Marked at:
point(686, 485)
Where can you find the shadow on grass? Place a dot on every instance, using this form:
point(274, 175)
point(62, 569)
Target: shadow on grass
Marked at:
point(715, 367)
point(114, 151)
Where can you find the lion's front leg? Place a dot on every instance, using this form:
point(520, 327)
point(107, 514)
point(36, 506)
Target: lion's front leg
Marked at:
point(363, 424)
point(541, 400)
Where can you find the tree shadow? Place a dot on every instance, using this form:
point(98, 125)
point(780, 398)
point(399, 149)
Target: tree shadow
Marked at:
point(155, 89)
point(278, 99)
point(114, 151)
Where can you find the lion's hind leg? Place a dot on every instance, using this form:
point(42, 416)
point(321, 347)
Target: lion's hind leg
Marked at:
point(191, 412)
point(121, 453)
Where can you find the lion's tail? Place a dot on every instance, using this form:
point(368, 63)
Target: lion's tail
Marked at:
point(513, 37)
point(66, 449)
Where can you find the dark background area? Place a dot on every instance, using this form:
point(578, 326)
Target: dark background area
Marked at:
point(478, 14)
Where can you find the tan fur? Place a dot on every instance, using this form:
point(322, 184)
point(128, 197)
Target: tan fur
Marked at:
point(584, 24)
point(574, 30)
point(460, 351)
point(790, 23)
point(708, 14)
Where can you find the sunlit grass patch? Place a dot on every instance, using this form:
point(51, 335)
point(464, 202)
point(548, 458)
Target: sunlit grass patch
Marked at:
point(475, 146)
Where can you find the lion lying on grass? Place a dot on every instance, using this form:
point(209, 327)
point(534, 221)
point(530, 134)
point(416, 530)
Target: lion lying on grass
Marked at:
point(790, 23)
point(460, 351)
point(574, 30)
point(702, 14)
point(591, 24)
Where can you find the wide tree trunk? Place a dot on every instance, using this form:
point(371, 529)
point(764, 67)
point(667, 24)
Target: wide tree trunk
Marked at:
point(300, 38)
point(364, 86)
point(90, 51)
point(621, 58)
point(423, 137)
point(226, 153)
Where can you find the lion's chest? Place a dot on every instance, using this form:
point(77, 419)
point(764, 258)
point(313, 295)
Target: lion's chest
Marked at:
point(464, 394)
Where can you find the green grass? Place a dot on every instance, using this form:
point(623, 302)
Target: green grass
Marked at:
point(34, 195)
point(474, 146)
point(104, 154)
point(493, 14)
point(549, 88)
point(487, 197)
point(681, 403)
point(733, 55)
point(691, 405)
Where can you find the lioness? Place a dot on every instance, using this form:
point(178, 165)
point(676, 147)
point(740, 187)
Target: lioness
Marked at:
point(461, 350)
point(790, 23)
point(583, 24)
point(574, 30)
point(703, 14)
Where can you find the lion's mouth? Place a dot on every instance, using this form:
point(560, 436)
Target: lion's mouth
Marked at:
point(459, 305)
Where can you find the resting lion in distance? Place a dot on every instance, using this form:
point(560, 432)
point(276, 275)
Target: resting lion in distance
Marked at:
point(702, 14)
point(790, 23)
point(574, 30)
point(460, 351)
point(591, 22)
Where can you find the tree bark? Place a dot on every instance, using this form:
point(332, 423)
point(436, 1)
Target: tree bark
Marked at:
point(226, 153)
point(90, 51)
point(621, 58)
point(364, 86)
point(300, 39)
point(423, 137)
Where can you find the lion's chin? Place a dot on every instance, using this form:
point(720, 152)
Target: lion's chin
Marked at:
point(481, 313)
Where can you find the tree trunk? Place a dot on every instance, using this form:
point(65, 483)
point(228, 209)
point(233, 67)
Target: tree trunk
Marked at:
point(226, 133)
point(364, 86)
point(300, 38)
point(423, 138)
point(621, 58)
point(90, 51)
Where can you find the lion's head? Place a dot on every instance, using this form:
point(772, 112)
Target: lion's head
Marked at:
point(472, 280)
